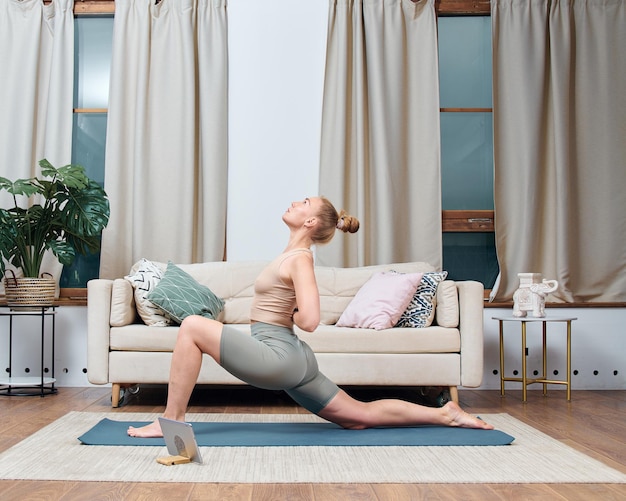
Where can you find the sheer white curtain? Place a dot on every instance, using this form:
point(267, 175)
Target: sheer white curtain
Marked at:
point(166, 152)
point(559, 145)
point(36, 90)
point(380, 157)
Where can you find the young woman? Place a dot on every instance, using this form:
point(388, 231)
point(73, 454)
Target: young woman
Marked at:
point(273, 357)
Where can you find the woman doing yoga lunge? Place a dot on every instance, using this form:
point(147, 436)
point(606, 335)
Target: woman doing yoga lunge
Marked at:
point(273, 357)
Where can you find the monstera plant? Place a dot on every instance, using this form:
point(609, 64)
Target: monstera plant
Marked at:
point(62, 210)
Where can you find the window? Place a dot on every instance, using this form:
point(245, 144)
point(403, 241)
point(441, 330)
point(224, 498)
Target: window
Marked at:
point(467, 148)
point(92, 45)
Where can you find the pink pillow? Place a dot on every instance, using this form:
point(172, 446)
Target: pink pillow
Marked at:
point(380, 302)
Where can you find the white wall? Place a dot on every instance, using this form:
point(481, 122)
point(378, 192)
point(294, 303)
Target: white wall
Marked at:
point(276, 72)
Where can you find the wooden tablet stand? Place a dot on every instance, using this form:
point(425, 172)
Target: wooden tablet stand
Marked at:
point(170, 460)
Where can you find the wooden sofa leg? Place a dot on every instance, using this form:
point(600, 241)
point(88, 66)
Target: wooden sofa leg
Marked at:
point(454, 394)
point(115, 394)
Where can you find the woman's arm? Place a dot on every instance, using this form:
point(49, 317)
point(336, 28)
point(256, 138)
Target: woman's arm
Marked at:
point(301, 274)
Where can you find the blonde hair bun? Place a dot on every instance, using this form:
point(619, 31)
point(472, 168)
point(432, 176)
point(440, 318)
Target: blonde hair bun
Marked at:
point(347, 223)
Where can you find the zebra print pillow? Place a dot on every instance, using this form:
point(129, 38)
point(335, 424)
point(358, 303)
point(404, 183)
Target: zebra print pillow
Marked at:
point(421, 310)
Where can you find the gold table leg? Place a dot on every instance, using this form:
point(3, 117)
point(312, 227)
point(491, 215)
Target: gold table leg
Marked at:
point(545, 358)
point(569, 360)
point(524, 379)
point(501, 358)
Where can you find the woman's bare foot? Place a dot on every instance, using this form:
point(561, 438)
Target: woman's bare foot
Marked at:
point(152, 430)
point(458, 417)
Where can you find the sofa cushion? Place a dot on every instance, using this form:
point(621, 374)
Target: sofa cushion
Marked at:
point(421, 309)
point(325, 339)
point(380, 302)
point(447, 304)
point(337, 286)
point(332, 339)
point(144, 276)
point(123, 310)
point(179, 295)
point(141, 337)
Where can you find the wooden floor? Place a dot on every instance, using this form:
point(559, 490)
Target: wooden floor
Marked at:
point(594, 423)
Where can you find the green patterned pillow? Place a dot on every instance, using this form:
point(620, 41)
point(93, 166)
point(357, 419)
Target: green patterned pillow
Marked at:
point(180, 295)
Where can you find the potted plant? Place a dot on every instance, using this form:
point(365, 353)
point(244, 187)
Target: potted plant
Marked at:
point(63, 211)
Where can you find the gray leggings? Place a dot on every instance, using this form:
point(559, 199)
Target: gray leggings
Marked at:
point(274, 358)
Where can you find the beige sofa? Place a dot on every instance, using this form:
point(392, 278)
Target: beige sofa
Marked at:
point(122, 350)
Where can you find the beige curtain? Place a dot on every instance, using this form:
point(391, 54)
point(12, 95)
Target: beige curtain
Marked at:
point(36, 90)
point(560, 149)
point(166, 152)
point(380, 157)
point(36, 86)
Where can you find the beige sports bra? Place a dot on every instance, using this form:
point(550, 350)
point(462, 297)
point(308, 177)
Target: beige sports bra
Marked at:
point(274, 301)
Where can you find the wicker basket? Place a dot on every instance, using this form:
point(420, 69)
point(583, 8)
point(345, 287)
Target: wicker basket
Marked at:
point(29, 291)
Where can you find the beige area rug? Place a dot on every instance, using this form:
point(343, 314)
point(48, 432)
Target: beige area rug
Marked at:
point(54, 453)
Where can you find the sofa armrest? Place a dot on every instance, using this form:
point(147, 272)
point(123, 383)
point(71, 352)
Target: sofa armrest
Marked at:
point(471, 305)
point(98, 329)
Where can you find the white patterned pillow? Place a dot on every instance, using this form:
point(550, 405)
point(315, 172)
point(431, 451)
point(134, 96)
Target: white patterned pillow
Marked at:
point(144, 278)
point(421, 310)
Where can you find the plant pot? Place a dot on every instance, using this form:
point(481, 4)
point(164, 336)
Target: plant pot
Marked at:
point(37, 292)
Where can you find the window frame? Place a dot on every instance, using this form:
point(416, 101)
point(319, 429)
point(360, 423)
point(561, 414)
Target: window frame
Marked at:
point(466, 221)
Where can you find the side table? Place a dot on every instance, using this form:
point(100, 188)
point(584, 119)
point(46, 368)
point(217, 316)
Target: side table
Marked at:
point(544, 377)
point(44, 385)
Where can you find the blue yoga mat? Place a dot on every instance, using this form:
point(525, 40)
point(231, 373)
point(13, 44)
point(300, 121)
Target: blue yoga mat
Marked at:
point(109, 432)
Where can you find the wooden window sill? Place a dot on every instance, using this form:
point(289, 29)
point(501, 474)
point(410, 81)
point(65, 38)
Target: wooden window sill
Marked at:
point(67, 297)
